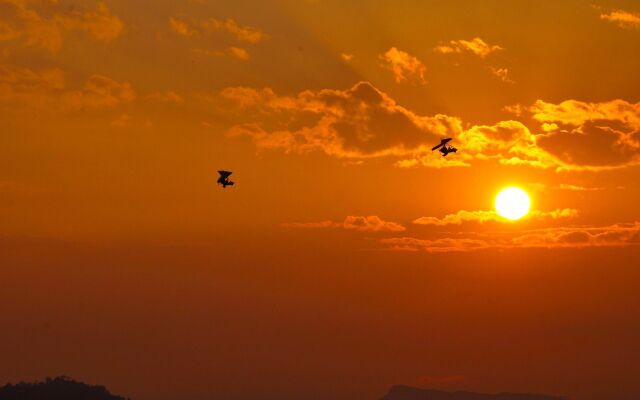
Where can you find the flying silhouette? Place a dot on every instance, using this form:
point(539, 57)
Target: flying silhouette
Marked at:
point(444, 149)
point(224, 179)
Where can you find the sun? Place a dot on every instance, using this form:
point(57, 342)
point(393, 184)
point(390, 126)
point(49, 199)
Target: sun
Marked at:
point(512, 203)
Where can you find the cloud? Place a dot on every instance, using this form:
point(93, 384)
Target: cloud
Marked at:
point(210, 26)
point(364, 122)
point(475, 46)
point(459, 217)
point(242, 33)
point(238, 53)
point(579, 188)
point(576, 113)
point(47, 90)
point(431, 161)
point(235, 52)
point(47, 28)
point(624, 19)
point(482, 216)
point(371, 223)
point(346, 57)
point(181, 27)
point(405, 67)
point(122, 121)
point(168, 97)
point(359, 122)
point(202, 30)
point(590, 136)
point(443, 245)
point(507, 142)
point(313, 225)
point(503, 74)
point(619, 235)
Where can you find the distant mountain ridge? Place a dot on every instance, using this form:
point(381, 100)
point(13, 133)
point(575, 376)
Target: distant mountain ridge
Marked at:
point(63, 388)
point(60, 388)
point(401, 392)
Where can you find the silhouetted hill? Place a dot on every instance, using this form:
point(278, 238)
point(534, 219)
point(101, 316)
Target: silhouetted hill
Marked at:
point(61, 388)
point(400, 392)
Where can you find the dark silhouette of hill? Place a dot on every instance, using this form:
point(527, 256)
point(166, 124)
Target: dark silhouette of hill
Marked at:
point(60, 388)
point(400, 392)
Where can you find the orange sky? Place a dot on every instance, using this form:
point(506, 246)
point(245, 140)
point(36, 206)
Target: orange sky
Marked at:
point(349, 256)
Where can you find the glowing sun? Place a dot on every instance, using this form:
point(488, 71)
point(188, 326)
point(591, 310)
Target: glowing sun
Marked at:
point(512, 203)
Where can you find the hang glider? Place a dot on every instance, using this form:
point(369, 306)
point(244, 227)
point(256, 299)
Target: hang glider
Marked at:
point(224, 179)
point(444, 148)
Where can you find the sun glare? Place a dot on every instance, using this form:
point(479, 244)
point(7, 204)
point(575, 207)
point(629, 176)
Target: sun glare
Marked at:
point(512, 203)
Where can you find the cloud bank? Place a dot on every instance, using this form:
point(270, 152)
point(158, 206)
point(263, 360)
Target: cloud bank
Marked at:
point(46, 27)
point(619, 235)
point(364, 122)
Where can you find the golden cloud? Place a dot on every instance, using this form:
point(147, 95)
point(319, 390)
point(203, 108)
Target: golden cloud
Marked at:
point(346, 57)
point(590, 136)
point(475, 46)
point(201, 28)
point(242, 33)
point(507, 142)
point(503, 74)
point(370, 223)
point(235, 52)
point(576, 113)
point(169, 97)
point(47, 30)
point(619, 235)
point(47, 90)
point(181, 27)
point(363, 122)
point(359, 122)
point(405, 67)
point(483, 216)
point(624, 19)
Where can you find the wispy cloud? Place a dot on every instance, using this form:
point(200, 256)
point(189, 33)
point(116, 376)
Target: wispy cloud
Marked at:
point(404, 66)
point(188, 28)
point(235, 52)
point(619, 235)
point(170, 97)
point(181, 27)
point(26, 24)
point(242, 33)
point(47, 90)
point(476, 46)
point(503, 74)
point(624, 19)
point(346, 57)
point(482, 216)
point(370, 223)
point(199, 34)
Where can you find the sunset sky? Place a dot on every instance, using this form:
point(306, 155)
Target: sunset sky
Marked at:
point(348, 257)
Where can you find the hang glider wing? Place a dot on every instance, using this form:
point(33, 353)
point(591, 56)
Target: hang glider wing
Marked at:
point(224, 175)
point(442, 143)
